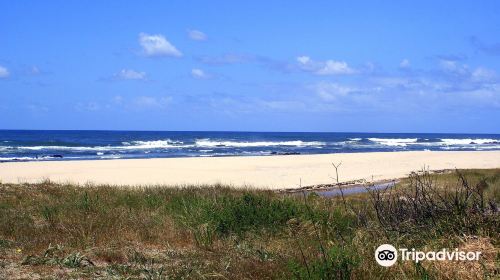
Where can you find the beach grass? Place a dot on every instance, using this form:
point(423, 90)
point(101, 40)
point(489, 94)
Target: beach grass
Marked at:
point(50, 230)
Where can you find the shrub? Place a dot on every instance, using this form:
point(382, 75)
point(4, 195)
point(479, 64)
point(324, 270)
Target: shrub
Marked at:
point(426, 208)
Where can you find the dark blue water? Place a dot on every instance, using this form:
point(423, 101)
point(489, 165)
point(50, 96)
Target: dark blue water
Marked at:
point(71, 145)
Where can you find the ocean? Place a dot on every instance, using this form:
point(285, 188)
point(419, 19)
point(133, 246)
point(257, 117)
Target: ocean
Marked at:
point(42, 145)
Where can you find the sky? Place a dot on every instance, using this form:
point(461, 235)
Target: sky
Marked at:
point(333, 66)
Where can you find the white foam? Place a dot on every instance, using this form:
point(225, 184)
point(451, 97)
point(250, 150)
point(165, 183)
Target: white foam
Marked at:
point(134, 145)
point(16, 158)
point(464, 143)
point(394, 141)
point(297, 143)
point(155, 144)
point(488, 148)
point(449, 141)
point(34, 158)
point(111, 157)
point(67, 148)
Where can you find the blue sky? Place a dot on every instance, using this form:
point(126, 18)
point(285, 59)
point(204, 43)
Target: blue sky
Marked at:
point(372, 66)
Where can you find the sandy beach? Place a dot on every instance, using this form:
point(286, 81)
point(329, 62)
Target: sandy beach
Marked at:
point(262, 172)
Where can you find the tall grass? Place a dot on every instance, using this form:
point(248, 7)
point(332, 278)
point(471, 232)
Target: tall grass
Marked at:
point(216, 231)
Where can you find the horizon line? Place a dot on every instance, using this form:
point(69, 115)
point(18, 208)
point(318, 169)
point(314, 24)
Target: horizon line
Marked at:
point(248, 131)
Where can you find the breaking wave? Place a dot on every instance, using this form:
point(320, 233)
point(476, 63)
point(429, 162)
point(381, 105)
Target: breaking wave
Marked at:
point(297, 143)
point(36, 146)
point(394, 141)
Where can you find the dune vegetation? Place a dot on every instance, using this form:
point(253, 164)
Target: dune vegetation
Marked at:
point(63, 231)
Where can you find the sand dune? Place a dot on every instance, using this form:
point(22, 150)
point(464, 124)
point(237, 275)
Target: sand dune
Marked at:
point(262, 172)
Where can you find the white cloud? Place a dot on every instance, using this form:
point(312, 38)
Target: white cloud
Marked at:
point(482, 74)
point(328, 67)
point(404, 64)
point(334, 68)
point(157, 45)
point(331, 91)
point(4, 73)
point(369, 67)
point(282, 105)
point(226, 59)
point(464, 77)
point(127, 74)
point(152, 102)
point(303, 59)
point(197, 35)
point(199, 74)
point(35, 70)
point(453, 67)
point(117, 99)
point(89, 106)
point(36, 108)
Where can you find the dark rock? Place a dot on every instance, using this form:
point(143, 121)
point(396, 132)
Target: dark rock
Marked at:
point(289, 153)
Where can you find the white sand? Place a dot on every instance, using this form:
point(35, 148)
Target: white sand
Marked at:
point(264, 172)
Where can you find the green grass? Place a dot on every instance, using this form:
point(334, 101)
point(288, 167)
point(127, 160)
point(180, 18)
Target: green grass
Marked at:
point(220, 232)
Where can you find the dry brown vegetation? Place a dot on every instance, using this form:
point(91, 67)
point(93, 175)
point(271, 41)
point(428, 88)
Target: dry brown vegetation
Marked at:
point(52, 231)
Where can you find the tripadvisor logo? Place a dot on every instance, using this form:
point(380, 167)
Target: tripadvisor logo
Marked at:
point(387, 255)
